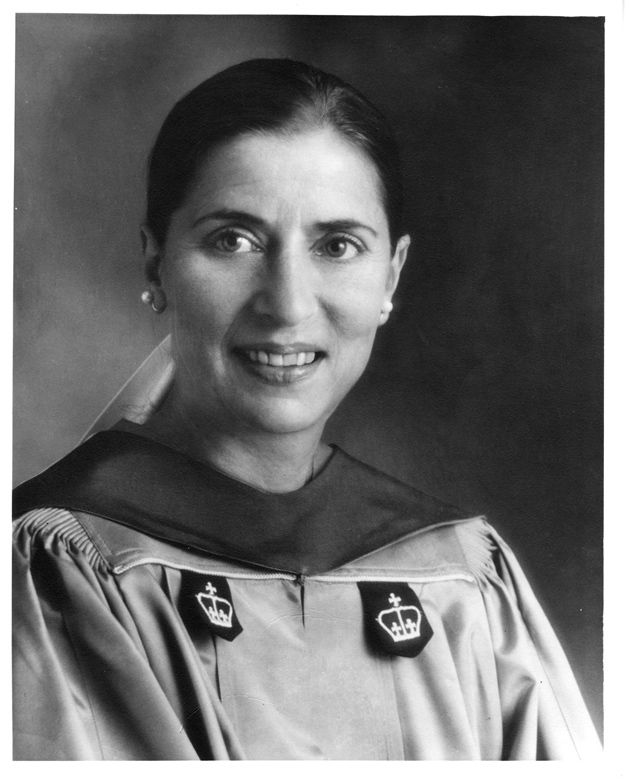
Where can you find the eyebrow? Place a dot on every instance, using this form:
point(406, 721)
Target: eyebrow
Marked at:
point(344, 224)
point(244, 216)
point(241, 216)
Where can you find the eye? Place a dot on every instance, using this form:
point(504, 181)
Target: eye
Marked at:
point(341, 248)
point(232, 242)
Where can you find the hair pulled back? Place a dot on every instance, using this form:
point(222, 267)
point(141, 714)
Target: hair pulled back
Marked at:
point(265, 95)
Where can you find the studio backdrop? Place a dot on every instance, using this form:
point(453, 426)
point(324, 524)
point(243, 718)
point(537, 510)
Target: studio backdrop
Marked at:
point(485, 386)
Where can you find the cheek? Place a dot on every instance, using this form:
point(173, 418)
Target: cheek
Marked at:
point(361, 321)
point(200, 305)
point(193, 316)
point(358, 307)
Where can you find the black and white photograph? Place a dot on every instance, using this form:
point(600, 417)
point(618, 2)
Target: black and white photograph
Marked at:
point(308, 387)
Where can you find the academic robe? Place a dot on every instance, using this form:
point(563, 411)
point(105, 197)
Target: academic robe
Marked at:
point(166, 611)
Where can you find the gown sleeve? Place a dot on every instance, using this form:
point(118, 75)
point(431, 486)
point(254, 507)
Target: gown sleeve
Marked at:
point(84, 687)
point(543, 713)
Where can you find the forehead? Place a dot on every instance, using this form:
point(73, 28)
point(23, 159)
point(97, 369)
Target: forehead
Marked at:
point(311, 173)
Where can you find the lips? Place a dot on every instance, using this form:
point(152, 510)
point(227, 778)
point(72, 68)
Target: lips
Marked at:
point(280, 362)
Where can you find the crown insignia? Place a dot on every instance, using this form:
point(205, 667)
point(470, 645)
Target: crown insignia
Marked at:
point(219, 611)
point(401, 623)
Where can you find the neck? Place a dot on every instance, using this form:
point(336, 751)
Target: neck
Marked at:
point(276, 463)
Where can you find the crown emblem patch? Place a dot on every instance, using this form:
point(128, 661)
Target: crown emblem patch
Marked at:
point(208, 598)
point(401, 623)
point(394, 618)
point(219, 611)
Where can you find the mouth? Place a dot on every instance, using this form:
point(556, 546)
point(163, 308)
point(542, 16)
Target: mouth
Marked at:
point(282, 359)
point(279, 363)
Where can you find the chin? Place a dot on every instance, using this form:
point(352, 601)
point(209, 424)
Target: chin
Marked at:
point(283, 420)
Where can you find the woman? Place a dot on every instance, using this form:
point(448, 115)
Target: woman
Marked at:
point(217, 583)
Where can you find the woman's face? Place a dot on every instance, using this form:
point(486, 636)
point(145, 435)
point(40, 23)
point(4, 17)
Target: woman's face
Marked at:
point(275, 272)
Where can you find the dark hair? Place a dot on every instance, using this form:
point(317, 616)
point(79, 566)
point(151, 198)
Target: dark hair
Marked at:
point(270, 95)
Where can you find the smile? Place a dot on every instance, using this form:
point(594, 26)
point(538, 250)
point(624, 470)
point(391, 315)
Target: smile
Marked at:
point(280, 359)
point(280, 364)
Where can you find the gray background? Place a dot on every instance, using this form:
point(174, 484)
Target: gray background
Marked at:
point(485, 388)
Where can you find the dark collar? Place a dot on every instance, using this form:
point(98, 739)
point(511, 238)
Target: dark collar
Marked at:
point(347, 511)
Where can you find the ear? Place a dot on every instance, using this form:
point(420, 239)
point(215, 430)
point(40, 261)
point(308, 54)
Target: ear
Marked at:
point(397, 263)
point(394, 271)
point(152, 256)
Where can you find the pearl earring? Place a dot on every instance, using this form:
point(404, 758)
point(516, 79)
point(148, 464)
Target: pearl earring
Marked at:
point(387, 307)
point(147, 296)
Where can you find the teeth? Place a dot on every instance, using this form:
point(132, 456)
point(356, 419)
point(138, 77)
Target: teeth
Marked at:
point(276, 359)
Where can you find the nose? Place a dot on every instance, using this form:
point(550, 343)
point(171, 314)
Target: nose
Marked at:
point(288, 290)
